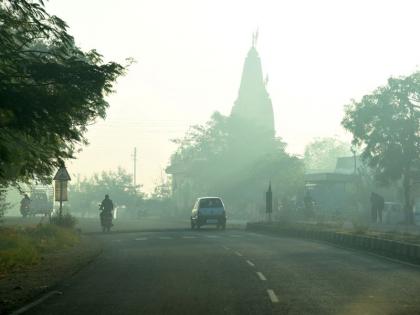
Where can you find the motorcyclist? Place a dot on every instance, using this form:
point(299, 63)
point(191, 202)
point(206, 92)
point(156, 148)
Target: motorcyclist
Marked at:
point(24, 205)
point(106, 208)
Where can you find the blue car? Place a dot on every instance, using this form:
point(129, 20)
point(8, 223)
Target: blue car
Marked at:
point(208, 211)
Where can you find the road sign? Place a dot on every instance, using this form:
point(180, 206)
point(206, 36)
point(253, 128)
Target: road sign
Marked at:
point(61, 178)
point(62, 174)
point(60, 191)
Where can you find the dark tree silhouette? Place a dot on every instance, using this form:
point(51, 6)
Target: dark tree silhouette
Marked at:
point(50, 91)
point(387, 124)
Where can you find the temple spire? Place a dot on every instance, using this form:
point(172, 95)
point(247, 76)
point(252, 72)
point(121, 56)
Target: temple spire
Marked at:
point(253, 105)
point(255, 38)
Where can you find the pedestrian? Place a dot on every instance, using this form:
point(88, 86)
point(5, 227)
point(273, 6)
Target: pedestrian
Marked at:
point(374, 207)
point(380, 207)
point(25, 205)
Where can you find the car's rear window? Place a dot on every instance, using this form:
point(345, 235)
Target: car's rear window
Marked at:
point(211, 203)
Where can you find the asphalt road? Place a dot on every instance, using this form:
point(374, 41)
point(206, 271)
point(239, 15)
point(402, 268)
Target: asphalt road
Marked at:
point(179, 271)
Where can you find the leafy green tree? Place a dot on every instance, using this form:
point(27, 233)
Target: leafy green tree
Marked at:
point(50, 91)
point(322, 153)
point(386, 124)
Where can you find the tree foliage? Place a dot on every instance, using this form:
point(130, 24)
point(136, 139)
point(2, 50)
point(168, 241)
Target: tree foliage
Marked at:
point(86, 194)
point(50, 91)
point(322, 153)
point(227, 159)
point(386, 124)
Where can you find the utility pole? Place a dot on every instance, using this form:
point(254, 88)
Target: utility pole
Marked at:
point(135, 167)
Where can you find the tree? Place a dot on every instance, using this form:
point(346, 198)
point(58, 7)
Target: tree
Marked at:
point(86, 194)
point(386, 124)
point(4, 205)
point(233, 161)
point(50, 91)
point(322, 153)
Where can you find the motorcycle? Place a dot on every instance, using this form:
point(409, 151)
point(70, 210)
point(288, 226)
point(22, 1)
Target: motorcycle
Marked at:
point(106, 220)
point(24, 210)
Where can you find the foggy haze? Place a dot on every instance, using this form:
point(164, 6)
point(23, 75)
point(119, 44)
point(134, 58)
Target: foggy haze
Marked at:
point(190, 54)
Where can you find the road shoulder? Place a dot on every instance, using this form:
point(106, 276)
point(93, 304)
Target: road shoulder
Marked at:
point(20, 287)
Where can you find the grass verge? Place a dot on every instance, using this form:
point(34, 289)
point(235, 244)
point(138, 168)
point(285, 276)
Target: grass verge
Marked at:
point(22, 247)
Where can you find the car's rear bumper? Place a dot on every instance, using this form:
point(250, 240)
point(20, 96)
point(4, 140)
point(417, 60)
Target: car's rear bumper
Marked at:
point(206, 220)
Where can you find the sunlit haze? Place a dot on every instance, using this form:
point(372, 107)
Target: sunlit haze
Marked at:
point(318, 55)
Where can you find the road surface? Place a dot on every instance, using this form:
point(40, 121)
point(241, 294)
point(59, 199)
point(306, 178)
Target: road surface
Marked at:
point(179, 271)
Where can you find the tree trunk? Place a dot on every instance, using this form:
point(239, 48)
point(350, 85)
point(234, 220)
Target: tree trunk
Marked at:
point(408, 207)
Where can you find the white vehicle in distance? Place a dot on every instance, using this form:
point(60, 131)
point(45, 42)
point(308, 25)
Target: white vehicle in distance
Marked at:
point(208, 210)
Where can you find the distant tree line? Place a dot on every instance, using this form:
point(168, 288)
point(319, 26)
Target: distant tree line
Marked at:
point(87, 193)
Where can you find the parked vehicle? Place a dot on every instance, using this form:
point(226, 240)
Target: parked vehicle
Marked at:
point(208, 211)
point(40, 202)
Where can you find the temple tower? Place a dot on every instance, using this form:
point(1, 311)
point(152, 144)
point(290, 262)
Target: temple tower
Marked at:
point(253, 106)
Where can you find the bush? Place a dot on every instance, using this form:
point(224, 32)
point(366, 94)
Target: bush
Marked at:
point(51, 237)
point(66, 220)
point(16, 250)
point(23, 247)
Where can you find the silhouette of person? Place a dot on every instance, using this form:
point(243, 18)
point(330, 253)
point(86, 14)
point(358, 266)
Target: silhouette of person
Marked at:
point(106, 206)
point(373, 209)
point(378, 205)
point(25, 201)
point(24, 205)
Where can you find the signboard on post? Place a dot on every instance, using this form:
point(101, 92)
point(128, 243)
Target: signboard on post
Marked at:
point(61, 178)
point(60, 191)
point(62, 174)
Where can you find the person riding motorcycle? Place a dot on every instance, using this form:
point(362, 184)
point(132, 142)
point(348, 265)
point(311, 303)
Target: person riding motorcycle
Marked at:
point(106, 208)
point(24, 205)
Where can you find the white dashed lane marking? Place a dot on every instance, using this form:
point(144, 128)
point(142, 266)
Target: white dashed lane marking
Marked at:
point(189, 237)
point(141, 239)
point(238, 254)
point(273, 297)
point(165, 238)
point(235, 235)
point(212, 236)
point(250, 263)
point(261, 276)
point(227, 248)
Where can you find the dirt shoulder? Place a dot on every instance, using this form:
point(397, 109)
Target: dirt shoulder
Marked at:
point(20, 287)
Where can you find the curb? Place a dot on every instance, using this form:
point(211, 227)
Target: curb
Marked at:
point(392, 249)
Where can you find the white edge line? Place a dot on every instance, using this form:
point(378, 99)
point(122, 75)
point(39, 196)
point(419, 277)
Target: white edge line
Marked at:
point(261, 276)
point(35, 303)
point(250, 263)
point(273, 296)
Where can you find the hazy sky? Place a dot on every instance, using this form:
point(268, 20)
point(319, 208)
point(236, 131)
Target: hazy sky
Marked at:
point(190, 53)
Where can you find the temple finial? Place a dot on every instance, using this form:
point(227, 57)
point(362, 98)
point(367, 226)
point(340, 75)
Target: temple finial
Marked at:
point(255, 38)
